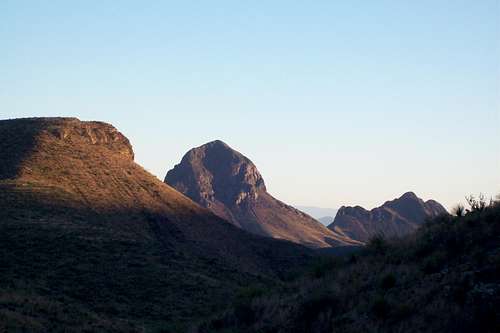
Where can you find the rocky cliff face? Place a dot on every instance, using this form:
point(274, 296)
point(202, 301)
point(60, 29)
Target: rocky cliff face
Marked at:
point(218, 178)
point(394, 218)
point(90, 132)
point(22, 138)
point(229, 184)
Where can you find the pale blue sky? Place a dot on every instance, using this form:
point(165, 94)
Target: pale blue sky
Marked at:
point(337, 102)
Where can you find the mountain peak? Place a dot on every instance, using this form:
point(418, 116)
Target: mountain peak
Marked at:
point(409, 196)
point(216, 143)
point(228, 183)
point(397, 217)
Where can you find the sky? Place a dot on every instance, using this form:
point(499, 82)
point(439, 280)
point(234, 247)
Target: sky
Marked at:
point(336, 102)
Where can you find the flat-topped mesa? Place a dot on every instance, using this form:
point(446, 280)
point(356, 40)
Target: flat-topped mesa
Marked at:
point(75, 131)
point(228, 183)
point(89, 132)
point(20, 139)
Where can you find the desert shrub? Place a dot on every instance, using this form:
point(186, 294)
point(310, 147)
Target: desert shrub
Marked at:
point(402, 311)
point(316, 313)
point(458, 210)
point(377, 244)
point(434, 262)
point(476, 204)
point(460, 289)
point(250, 292)
point(380, 307)
point(388, 281)
point(244, 311)
point(323, 266)
point(317, 304)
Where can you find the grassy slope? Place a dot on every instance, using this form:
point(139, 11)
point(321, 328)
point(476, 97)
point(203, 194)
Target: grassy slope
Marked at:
point(445, 278)
point(91, 241)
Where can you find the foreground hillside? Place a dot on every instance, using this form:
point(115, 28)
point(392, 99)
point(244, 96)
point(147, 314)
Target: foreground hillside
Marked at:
point(90, 241)
point(229, 184)
point(444, 278)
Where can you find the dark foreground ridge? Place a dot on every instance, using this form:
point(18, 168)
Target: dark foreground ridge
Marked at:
point(92, 242)
point(443, 278)
point(229, 184)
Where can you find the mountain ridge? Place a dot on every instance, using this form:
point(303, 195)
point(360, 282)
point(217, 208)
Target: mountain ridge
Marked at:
point(228, 183)
point(394, 218)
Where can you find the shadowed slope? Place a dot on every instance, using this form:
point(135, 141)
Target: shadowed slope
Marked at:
point(229, 184)
point(394, 218)
point(445, 277)
point(91, 240)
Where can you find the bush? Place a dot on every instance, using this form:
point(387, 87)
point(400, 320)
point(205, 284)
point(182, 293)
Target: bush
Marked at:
point(402, 311)
point(388, 281)
point(243, 309)
point(433, 262)
point(323, 266)
point(377, 244)
point(316, 313)
point(458, 210)
point(380, 307)
point(249, 293)
point(477, 204)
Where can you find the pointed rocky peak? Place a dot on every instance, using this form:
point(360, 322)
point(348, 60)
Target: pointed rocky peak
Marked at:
point(409, 196)
point(223, 180)
point(350, 210)
point(394, 218)
point(218, 144)
point(216, 172)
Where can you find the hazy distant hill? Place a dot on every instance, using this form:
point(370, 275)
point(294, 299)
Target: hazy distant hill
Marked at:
point(228, 183)
point(318, 212)
point(326, 220)
point(394, 218)
point(92, 242)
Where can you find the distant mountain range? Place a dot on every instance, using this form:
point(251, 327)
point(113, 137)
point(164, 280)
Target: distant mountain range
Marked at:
point(394, 218)
point(223, 180)
point(324, 215)
point(326, 220)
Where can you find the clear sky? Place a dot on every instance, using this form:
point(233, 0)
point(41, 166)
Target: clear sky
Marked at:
point(337, 102)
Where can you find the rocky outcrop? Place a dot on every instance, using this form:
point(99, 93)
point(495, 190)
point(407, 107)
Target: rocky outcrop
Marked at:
point(228, 183)
point(20, 138)
point(95, 133)
point(393, 219)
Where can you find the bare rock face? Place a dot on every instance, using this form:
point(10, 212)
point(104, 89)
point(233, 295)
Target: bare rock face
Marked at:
point(90, 132)
point(218, 178)
point(393, 219)
point(228, 183)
